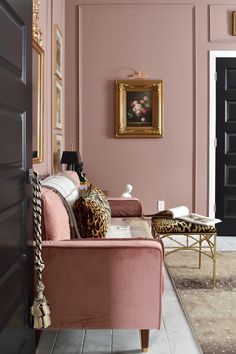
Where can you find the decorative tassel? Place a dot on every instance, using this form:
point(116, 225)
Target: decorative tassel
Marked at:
point(40, 310)
point(41, 315)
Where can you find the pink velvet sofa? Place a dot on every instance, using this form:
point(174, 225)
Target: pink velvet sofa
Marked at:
point(99, 283)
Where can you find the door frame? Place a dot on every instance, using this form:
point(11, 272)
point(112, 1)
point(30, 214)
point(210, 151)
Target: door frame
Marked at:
point(213, 55)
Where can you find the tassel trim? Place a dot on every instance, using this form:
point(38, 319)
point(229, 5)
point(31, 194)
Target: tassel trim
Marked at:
point(40, 313)
point(40, 310)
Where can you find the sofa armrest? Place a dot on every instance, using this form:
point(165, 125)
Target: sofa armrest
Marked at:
point(125, 207)
point(104, 283)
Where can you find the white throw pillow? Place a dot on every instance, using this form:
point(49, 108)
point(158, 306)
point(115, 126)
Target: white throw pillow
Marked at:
point(65, 186)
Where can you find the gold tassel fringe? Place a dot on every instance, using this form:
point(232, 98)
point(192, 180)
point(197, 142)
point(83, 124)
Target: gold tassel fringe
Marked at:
point(41, 315)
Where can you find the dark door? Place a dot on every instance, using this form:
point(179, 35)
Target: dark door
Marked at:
point(226, 146)
point(15, 161)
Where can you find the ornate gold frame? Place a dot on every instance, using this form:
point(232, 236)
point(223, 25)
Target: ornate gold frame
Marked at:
point(37, 101)
point(151, 129)
point(234, 23)
point(36, 31)
point(57, 52)
point(37, 86)
point(58, 123)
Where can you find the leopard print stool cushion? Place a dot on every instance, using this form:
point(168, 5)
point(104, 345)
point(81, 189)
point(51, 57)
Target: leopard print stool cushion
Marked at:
point(178, 226)
point(92, 213)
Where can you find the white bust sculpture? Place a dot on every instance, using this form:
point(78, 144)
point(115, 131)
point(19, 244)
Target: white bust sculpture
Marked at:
point(127, 191)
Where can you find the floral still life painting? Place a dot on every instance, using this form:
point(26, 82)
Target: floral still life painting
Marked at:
point(139, 108)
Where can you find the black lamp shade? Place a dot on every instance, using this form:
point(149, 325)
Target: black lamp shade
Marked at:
point(70, 158)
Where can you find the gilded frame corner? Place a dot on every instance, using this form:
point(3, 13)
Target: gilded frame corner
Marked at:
point(139, 108)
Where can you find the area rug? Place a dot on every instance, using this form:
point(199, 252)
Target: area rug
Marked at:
point(211, 312)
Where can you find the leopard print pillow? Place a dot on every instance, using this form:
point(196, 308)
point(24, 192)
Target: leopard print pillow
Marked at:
point(92, 213)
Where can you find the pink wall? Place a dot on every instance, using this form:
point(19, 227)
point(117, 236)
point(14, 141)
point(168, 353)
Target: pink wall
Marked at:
point(111, 49)
point(105, 40)
point(71, 77)
point(170, 42)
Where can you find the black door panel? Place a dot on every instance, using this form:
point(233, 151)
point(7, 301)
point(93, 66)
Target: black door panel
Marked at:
point(16, 334)
point(226, 146)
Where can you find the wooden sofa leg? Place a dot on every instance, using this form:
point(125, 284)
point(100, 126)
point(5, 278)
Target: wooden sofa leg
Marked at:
point(144, 340)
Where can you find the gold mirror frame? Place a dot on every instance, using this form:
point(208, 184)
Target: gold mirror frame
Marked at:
point(37, 87)
point(37, 101)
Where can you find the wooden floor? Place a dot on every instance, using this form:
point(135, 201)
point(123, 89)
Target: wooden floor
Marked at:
point(174, 337)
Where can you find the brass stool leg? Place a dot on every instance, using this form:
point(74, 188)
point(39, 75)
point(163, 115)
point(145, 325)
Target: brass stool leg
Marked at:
point(200, 252)
point(214, 261)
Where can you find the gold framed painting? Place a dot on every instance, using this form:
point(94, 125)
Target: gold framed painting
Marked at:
point(58, 116)
point(139, 108)
point(57, 52)
point(57, 153)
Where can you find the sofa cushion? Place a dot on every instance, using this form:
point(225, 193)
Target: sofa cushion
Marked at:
point(58, 194)
point(92, 212)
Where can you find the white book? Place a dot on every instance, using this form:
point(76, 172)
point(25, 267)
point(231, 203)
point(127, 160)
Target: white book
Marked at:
point(182, 212)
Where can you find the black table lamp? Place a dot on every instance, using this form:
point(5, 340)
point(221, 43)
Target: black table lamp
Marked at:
point(70, 158)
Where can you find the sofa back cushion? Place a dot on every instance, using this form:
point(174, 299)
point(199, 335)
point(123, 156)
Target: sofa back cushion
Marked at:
point(92, 212)
point(58, 194)
point(55, 218)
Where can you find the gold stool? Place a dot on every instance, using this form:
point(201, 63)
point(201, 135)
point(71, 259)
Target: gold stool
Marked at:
point(163, 227)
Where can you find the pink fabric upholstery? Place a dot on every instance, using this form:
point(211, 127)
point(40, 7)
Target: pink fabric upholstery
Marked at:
point(101, 283)
point(55, 218)
point(104, 283)
point(125, 207)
